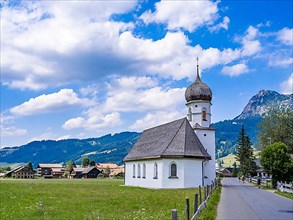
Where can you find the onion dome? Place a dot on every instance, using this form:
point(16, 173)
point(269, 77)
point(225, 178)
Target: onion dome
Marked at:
point(198, 90)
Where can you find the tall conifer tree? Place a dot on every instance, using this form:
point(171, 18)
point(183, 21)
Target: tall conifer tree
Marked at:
point(244, 154)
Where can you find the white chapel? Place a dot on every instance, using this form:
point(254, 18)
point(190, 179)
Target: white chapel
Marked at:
point(179, 154)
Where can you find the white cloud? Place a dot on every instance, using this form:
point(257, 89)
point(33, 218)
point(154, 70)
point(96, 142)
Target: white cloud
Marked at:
point(286, 36)
point(154, 119)
point(141, 94)
point(94, 121)
point(287, 85)
point(187, 15)
point(12, 131)
point(235, 70)
point(250, 45)
point(224, 24)
point(276, 61)
point(49, 103)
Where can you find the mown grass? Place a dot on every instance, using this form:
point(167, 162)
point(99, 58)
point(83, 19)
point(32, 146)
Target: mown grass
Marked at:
point(87, 199)
point(287, 195)
point(210, 212)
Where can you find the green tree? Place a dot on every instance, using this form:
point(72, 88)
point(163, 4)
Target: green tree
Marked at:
point(276, 161)
point(69, 165)
point(85, 162)
point(92, 163)
point(235, 170)
point(30, 165)
point(244, 154)
point(277, 126)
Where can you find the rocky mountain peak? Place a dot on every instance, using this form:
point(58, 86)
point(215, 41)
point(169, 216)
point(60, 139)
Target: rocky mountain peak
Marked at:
point(264, 101)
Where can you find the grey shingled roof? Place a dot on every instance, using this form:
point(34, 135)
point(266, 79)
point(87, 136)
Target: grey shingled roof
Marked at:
point(174, 139)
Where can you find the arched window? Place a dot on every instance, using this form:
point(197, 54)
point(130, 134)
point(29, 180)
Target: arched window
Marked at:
point(173, 170)
point(189, 116)
point(138, 171)
point(155, 171)
point(204, 114)
point(133, 175)
point(143, 170)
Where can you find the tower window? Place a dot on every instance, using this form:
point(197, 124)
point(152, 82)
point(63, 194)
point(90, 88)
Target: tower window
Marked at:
point(189, 116)
point(204, 114)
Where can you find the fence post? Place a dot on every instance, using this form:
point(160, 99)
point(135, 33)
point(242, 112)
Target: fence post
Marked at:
point(204, 193)
point(174, 214)
point(200, 199)
point(195, 205)
point(187, 216)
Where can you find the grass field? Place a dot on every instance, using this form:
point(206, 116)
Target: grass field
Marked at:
point(87, 199)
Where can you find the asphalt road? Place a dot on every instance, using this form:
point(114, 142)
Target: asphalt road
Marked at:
point(244, 201)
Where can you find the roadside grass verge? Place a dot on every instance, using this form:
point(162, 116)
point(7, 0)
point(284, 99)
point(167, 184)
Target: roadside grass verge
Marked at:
point(87, 199)
point(287, 195)
point(210, 212)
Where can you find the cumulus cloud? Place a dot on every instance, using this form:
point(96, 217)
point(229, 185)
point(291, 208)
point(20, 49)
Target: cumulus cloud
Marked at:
point(138, 94)
point(286, 36)
point(154, 119)
point(12, 131)
point(250, 45)
point(187, 15)
point(235, 70)
point(31, 44)
point(223, 25)
point(49, 103)
point(94, 120)
point(287, 85)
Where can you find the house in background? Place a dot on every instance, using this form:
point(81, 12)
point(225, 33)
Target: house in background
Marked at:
point(50, 170)
point(76, 172)
point(119, 172)
point(20, 172)
point(91, 172)
point(84, 172)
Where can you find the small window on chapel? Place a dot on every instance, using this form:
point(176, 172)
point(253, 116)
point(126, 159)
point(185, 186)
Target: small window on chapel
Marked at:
point(173, 170)
point(155, 171)
point(133, 172)
point(204, 114)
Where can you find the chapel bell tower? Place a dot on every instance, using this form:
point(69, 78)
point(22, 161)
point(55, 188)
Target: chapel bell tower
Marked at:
point(198, 101)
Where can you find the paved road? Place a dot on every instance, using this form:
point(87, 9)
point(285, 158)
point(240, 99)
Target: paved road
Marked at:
point(244, 201)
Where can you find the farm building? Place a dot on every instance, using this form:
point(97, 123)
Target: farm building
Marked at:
point(50, 170)
point(20, 172)
point(179, 154)
point(81, 172)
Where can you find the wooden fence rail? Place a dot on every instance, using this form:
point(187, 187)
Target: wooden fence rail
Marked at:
point(285, 187)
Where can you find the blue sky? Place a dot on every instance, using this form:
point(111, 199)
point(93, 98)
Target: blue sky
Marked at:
point(78, 69)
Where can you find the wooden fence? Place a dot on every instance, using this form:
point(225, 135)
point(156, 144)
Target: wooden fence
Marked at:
point(285, 187)
point(199, 202)
point(264, 182)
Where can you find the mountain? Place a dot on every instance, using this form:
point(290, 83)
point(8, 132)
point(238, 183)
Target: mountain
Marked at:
point(227, 131)
point(109, 148)
point(265, 100)
point(113, 148)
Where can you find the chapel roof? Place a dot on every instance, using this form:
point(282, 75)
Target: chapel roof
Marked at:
point(175, 139)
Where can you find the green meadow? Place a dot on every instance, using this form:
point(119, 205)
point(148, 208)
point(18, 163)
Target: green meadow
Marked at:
point(87, 199)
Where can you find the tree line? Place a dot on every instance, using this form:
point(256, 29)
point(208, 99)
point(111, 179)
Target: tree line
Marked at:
point(276, 141)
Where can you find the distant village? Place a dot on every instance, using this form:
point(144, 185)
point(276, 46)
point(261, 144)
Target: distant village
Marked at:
point(58, 171)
